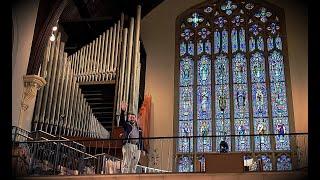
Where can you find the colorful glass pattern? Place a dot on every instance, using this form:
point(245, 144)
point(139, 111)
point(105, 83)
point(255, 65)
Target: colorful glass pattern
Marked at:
point(203, 33)
point(207, 47)
point(223, 128)
point(221, 67)
point(204, 144)
point(278, 99)
point(284, 163)
point(263, 14)
point(259, 100)
point(187, 34)
point(242, 127)
point(257, 66)
point(237, 20)
point(234, 40)
point(185, 129)
point(186, 103)
point(266, 163)
point(278, 42)
point(222, 101)
point(195, 19)
point(225, 41)
point(204, 71)
point(186, 72)
point(242, 40)
point(228, 7)
point(220, 21)
point(191, 48)
point(216, 41)
point(273, 28)
point(239, 67)
point(260, 44)
point(183, 48)
point(252, 44)
point(204, 102)
point(230, 92)
point(240, 99)
point(255, 29)
point(281, 127)
point(199, 47)
point(270, 43)
point(261, 127)
point(185, 164)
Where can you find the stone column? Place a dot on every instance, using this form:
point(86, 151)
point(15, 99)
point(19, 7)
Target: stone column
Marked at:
point(32, 83)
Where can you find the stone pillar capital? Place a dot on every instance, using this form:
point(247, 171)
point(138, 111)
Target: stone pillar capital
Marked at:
point(32, 83)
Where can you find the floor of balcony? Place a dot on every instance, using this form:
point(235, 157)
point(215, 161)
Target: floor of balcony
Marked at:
point(295, 175)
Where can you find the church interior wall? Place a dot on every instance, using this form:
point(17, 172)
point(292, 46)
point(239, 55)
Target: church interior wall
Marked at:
point(24, 14)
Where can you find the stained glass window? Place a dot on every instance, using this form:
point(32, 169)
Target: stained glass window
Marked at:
point(185, 164)
point(284, 163)
point(232, 81)
point(266, 163)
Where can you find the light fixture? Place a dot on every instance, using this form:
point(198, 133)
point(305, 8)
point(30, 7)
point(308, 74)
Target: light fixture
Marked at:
point(54, 28)
point(52, 37)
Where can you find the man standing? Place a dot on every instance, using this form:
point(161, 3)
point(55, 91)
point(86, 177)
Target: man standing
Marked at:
point(130, 150)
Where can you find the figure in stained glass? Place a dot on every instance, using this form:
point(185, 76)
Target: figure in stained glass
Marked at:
point(204, 100)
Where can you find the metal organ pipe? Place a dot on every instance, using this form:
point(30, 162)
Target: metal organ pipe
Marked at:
point(113, 55)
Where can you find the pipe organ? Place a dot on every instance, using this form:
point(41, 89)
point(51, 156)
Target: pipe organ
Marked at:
point(61, 107)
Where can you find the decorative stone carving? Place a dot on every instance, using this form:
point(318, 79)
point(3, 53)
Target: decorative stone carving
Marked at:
point(32, 83)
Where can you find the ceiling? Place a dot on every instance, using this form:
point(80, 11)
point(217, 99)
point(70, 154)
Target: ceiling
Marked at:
point(84, 20)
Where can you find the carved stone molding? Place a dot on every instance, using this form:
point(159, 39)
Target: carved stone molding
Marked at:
point(32, 83)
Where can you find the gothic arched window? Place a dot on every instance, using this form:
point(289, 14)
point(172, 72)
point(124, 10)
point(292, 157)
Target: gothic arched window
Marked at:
point(233, 79)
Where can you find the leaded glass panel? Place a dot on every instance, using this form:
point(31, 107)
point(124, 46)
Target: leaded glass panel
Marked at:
point(204, 129)
point(223, 128)
point(278, 42)
point(242, 39)
point(204, 102)
point(221, 68)
point(185, 164)
point(185, 129)
point(222, 101)
point(240, 99)
point(225, 41)
point(186, 103)
point(257, 68)
point(261, 127)
point(281, 127)
point(239, 67)
point(278, 99)
point(200, 47)
point(217, 39)
point(191, 48)
point(186, 72)
point(266, 163)
point(183, 48)
point(284, 163)
point(259, 100)
point(204, 71)
point(242, 127)
point(276, 66)
point(234, 40)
